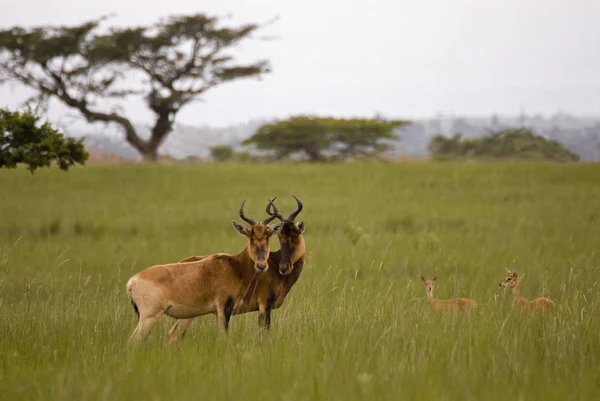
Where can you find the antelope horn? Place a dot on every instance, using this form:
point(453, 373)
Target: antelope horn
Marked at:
point(246, 219)
point(273, 215)
point(275, 212)
point(293, 215)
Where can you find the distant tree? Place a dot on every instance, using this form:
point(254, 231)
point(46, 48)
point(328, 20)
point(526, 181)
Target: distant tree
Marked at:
point(364, 137)
point(24, 140)
point(180, 59)
point(518, 144)
point(222, 153)
point(299, 134)
point(324, 138)
point(443, 147)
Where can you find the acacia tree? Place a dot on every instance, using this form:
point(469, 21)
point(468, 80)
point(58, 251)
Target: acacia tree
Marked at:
point(361, 137)
point(24, 140)
point(326, 138)
point(297, 134)
point(179, 58)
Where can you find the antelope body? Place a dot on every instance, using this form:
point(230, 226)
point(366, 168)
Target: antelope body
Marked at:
point(217, 284)
point(446, 304)
point(270, 290)
point(512, 281)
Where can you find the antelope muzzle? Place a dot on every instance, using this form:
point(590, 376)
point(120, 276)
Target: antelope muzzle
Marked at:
point(285, 264)
point(261, 262)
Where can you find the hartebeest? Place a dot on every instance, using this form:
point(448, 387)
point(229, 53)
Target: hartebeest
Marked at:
point(216, 284)
point(289, 258)
point(512, 280)
point(285, 267)
point(446, 304)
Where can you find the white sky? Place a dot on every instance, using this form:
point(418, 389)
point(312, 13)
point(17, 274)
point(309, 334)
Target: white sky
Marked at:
point(404, 59)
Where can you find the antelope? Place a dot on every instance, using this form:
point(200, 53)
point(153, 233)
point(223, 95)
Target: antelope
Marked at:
point(512, 280)
point(217, 284)
point(285, 267)
point(446, 304)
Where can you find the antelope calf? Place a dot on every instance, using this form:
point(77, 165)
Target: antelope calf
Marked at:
point(512, 280)
point(285, 267)
point(216, 284)
point(446, 304)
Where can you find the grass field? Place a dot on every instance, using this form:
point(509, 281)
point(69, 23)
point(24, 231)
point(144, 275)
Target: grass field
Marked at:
point(355, 326)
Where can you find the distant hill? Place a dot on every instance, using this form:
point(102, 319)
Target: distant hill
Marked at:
point(578, 134)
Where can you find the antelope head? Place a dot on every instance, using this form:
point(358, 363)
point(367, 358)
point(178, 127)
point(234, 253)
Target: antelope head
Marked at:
point(510, 280)
point(290, 237)
point(429, 285)
point(258, 234)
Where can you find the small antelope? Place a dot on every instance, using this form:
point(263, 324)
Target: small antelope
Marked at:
point(217, 284)
point(285, 267)
point(446, 304)
point(512, 280)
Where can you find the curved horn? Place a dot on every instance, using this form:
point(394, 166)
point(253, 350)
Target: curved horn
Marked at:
point(272, 215)
point(275, 212)
point(293, 215)
point(246, 219)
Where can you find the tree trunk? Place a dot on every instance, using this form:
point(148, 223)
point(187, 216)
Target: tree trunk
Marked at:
point(313, 153)
point(150, 155)
point(149, 149)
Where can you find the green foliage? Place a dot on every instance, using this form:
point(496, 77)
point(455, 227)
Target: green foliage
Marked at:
point(222, 153)
point(180, 57)
point(517, 144)
point(325, 138)
point(356, 326)
point(225, 153)
point(24, 140)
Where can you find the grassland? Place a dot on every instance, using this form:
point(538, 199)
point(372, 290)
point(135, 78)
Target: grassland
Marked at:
point(356, 326)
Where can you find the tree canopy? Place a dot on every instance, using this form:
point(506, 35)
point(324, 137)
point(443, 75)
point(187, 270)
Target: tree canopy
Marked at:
point(24, 140)
point(518, 144)
point(179, 58)
point(326, 138)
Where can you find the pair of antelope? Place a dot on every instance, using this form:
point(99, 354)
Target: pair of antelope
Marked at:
point(254, 279)
point(511, 280)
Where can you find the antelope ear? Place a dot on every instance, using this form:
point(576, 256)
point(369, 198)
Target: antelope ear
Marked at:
point(514, 272)
point(434, 278)
point(301, 226)
point(241, 229)
point(507, 271)
point(423, 278)
point(275, 229)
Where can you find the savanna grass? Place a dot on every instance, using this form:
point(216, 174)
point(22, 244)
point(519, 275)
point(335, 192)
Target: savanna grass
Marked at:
point(356, 325)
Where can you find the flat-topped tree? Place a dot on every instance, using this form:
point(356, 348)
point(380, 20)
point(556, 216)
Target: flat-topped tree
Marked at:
point(326, 138)
point(180, 58)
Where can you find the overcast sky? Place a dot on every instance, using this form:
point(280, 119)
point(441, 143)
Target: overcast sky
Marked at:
point(405, 59)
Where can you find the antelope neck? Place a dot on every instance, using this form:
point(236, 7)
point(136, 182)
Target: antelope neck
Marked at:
point(517, 294)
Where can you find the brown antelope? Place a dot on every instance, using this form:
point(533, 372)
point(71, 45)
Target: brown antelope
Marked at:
point(446, 304)
point(217, 284)
point(285, 267)
point(512, 280)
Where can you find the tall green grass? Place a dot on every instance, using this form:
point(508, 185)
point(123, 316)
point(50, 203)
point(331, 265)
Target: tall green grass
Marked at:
point(356, 325)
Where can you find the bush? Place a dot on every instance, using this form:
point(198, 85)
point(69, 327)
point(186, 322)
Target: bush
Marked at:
point(517, 144)
point(23, 140)
point(222, 153)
